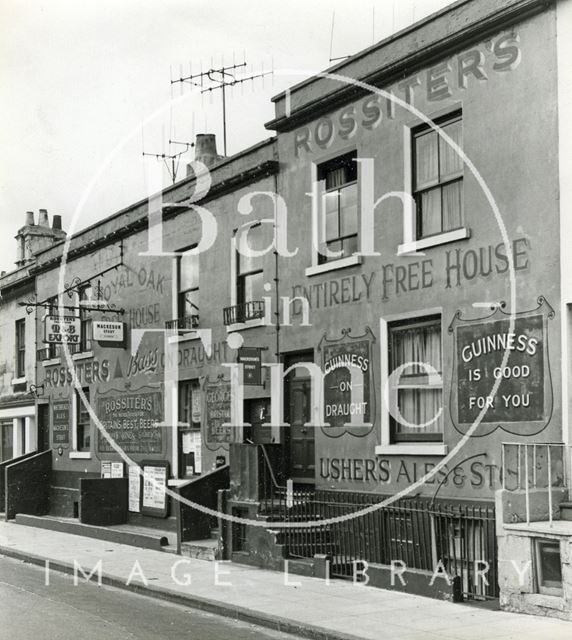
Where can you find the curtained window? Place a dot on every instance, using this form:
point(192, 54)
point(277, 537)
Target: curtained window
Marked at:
point(340, 203)
point(419, 398)
point(20, 348)
point(438, 178)
point(83, 424)
point(250, 281)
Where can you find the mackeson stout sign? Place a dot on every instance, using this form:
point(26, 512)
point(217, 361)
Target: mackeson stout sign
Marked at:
point(131, 420)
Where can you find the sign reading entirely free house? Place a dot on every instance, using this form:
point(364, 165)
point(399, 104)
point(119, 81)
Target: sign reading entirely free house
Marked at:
point(480, 350)
point(62, 329)
point(131, 421)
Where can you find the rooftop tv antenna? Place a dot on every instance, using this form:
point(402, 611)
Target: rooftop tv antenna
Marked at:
point(220, 78)
point(171, 160)
point(332, 59)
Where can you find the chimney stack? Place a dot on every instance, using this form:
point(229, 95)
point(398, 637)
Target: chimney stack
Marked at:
point(57, 223)
point(205, 149)
point(43, 219)
point(29, 218)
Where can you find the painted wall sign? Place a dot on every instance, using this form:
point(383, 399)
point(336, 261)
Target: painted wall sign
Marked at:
point(108, 331)
point(251, 360)
point(444, 80)
point(217, 412)
point(452, 268)
point(61, 422)
point(62, 329)
point(524, 395)
point(476, 473)
point(87, 371)
point(131, 420)
point(348, 382)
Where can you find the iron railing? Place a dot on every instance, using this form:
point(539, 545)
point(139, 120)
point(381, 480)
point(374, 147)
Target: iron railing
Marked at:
point(535, 466)
point(412, 531)
point(251, 310)
point(185, 323)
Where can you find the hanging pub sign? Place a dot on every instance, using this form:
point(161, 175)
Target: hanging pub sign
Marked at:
point(109, 333)
point(348, 383)
point(522, 402)
point(62, 329)
point(251, 360)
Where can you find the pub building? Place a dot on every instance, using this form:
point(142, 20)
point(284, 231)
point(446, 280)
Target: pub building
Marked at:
point(439, 328)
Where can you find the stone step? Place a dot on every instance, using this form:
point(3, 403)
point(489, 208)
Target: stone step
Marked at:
point(130, 535)
point(566, 511)
point(200, 549)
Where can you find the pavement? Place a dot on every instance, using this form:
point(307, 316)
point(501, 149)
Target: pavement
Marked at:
point(308, 607)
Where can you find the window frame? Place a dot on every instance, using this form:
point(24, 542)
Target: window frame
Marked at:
point(85, 333)
point(387, 446)
point(80, 411)
point(541, 586)
point(180, 293)
point(20, 347)
point(241, 277)
point(346, 159)
point(416, 133)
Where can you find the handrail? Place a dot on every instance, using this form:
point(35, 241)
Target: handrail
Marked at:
point(269, 466)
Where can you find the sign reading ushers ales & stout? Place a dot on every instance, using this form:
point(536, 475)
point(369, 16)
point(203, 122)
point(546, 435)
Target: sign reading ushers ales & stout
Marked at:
point(131, 421)
point(480, 351)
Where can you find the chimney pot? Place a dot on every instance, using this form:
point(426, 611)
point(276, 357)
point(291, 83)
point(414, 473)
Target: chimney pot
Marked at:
point(43, 219)
point(57, 222)
point(29, 218)
point(205, 149)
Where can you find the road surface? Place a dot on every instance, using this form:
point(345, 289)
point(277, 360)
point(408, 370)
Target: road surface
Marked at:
point(62, 611)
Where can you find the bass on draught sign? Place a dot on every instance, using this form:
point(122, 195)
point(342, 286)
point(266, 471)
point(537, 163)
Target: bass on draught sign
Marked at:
point(523, 402)
point(348, 384)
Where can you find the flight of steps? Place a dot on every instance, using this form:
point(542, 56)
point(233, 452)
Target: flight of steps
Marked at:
point(208, 549)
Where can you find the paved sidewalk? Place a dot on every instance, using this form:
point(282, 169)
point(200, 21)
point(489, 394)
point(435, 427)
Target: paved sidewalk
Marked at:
point(306, 607)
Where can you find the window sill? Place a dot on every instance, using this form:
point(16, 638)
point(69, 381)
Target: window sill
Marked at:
point(342, 263)
point(51, 362)
point(413, 449)
point(187, 337)
point(249, 324)
point(80, 455)
point(84, 355)
point(433, 241)
point(16, 381)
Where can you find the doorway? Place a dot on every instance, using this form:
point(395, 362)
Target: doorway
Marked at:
point(43, 427)
point(297, 409)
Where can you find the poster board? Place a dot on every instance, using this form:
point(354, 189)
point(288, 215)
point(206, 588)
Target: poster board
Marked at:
point(154, 497)
point(134, 495)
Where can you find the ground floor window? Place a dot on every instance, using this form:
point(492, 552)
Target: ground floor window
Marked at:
point(6, 440)
point(418, 415)
point(82, 421)
point(548, 567)
point(189, 438)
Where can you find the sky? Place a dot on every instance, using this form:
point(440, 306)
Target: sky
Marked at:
point(85, 88)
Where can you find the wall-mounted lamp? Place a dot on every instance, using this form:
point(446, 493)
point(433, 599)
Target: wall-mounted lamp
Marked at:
point(37, 390)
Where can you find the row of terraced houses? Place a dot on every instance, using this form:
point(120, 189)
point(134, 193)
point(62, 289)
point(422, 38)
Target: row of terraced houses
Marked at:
point(453, 134)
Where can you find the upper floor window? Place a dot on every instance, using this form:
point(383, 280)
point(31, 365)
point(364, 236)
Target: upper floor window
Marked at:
point(438, 178)
point(188, 301)
point(419, 397)
point(250, 270)
point(85, 294)
point(340, 205)
point(20, 348)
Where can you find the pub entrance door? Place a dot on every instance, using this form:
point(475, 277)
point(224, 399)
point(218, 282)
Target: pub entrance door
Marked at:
point(297, 407)
point(43, 427)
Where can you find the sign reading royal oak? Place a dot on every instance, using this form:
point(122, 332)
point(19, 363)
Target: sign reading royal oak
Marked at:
point(348, 382)
point(523, 397)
